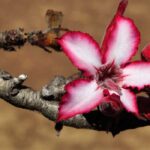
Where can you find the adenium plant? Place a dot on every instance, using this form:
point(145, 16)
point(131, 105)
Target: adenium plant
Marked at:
point(109, 75)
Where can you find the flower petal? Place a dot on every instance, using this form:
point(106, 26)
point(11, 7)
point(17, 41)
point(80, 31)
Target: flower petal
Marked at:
point(128, 100)
point(82, 50)
point(145, 54)
point(81, 97)
point(120, 11)
point(121, 41)
point(136, 74)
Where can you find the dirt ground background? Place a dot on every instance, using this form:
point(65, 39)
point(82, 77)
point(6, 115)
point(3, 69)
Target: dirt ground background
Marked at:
point(25, 130)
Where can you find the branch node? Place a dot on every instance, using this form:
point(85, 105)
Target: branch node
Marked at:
point(15, 84)
point(54, 89)
point(20, 79)
point(5, 75)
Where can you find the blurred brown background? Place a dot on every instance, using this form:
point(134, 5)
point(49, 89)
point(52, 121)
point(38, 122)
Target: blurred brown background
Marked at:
point(25, 130)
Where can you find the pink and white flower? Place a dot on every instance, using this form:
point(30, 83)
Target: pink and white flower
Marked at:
point(108, 75)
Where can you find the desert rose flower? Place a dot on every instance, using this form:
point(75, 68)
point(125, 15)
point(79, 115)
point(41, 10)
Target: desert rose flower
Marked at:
point(108, 73)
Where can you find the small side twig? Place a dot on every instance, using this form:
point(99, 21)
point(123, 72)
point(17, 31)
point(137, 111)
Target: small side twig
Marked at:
point(47, 39)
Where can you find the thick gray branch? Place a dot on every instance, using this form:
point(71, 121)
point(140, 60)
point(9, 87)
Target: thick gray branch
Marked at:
point(46, 102)
point(20, 96)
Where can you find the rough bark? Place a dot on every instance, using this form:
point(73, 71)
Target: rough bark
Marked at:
point(46, 102)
